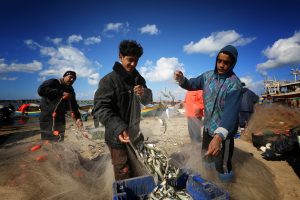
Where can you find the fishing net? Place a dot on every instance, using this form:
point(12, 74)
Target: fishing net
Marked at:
point(68, 170)
point(55, 171)
point(35, 169)
point(272, 120)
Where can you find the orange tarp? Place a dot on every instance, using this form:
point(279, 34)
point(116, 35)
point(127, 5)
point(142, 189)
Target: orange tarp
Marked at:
point(193, 104)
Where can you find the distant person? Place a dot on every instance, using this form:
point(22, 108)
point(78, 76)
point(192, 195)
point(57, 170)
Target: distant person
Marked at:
point(58, 97)
point(249, 100)
point(118, 94)
point(260, 100)
point(6, 112)
point(268, 100)
point(222, 97)
point(194, 111)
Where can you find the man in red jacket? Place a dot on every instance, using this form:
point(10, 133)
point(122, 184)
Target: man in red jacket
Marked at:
point(194, 108)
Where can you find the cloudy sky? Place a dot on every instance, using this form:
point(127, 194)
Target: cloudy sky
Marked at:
point(42, 39)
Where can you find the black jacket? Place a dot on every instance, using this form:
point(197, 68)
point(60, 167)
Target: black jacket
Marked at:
point(51, 92)
point(114, 101)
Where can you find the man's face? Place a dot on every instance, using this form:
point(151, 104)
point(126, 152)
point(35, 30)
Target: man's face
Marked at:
point(69, 79)
point(129, 62)
point(224, 62)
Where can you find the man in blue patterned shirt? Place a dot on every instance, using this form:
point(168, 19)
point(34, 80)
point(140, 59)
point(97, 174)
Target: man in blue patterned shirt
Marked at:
point(222, 97)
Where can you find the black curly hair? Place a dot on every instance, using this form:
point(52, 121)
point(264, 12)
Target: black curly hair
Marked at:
point(130, 48)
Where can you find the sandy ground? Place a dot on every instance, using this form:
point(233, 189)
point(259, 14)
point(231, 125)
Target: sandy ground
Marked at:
point(80, 168)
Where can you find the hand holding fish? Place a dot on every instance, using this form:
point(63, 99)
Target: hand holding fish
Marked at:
point(79, 123)
point(178, 76)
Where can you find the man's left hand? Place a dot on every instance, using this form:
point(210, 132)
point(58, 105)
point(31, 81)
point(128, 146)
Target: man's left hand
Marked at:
point(79, 123)
point(139, 90)
point(214, 146)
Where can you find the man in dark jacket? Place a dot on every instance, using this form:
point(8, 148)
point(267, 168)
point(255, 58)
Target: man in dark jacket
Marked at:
point(117, 105)
point(58, 97)
point(249, 100)
point(222, 97)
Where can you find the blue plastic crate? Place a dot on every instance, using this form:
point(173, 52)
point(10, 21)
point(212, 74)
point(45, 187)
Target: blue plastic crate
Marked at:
point(133, 188)
point(200, 189)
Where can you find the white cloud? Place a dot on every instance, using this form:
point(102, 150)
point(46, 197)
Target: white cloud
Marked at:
point(4, 78)
point(255, 86)
point(149, 29)
point(93, 79)
point(179, 93)
point(70, 58)
point(63, 58)
point(216, 41)
point(20, 67)
point(92, 40)
point(71, 39)
point(74, 38)
point(55, 41)
point(31, 44)
point(163, 69)
point(111, 28)
point(283, 52)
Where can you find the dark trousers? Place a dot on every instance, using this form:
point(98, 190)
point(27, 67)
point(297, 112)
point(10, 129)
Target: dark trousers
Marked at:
point(120, 162)
point(223, 159)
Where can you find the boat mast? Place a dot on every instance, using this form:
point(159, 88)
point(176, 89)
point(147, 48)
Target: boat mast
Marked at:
point(295, 72)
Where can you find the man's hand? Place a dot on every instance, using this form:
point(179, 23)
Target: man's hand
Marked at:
point(139, 90)
point(79, 123)
point(81, 129)
point(214, 146)
point(178, 76)
point(67, 95)
point(124, 137)
point(198, 112)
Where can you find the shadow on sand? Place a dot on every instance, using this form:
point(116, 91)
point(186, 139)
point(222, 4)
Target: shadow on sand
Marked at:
point(11, 138)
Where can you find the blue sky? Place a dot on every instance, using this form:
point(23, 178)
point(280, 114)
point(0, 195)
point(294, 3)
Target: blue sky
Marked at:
point(42, 39)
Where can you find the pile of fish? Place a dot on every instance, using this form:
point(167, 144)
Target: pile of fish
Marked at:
point(165, 173)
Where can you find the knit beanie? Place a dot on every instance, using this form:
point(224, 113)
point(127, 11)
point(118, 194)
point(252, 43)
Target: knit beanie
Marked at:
point(70, 73)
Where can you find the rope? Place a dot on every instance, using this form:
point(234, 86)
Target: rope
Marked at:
point(56, 132)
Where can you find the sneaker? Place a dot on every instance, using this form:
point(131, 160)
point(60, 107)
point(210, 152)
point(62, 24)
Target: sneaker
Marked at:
point(226, 177)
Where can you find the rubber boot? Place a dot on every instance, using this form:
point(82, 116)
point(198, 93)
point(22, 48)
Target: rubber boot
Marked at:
point(226, 177)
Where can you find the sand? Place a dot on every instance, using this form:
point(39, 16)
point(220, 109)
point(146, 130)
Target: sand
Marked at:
point(80, 168)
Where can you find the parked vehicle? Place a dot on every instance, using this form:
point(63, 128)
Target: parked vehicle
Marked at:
point(6, 112)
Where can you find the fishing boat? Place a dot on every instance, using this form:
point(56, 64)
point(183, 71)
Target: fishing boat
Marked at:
point(28, 109)
point(285, 92)
point(152, 110)
point(86, 108)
